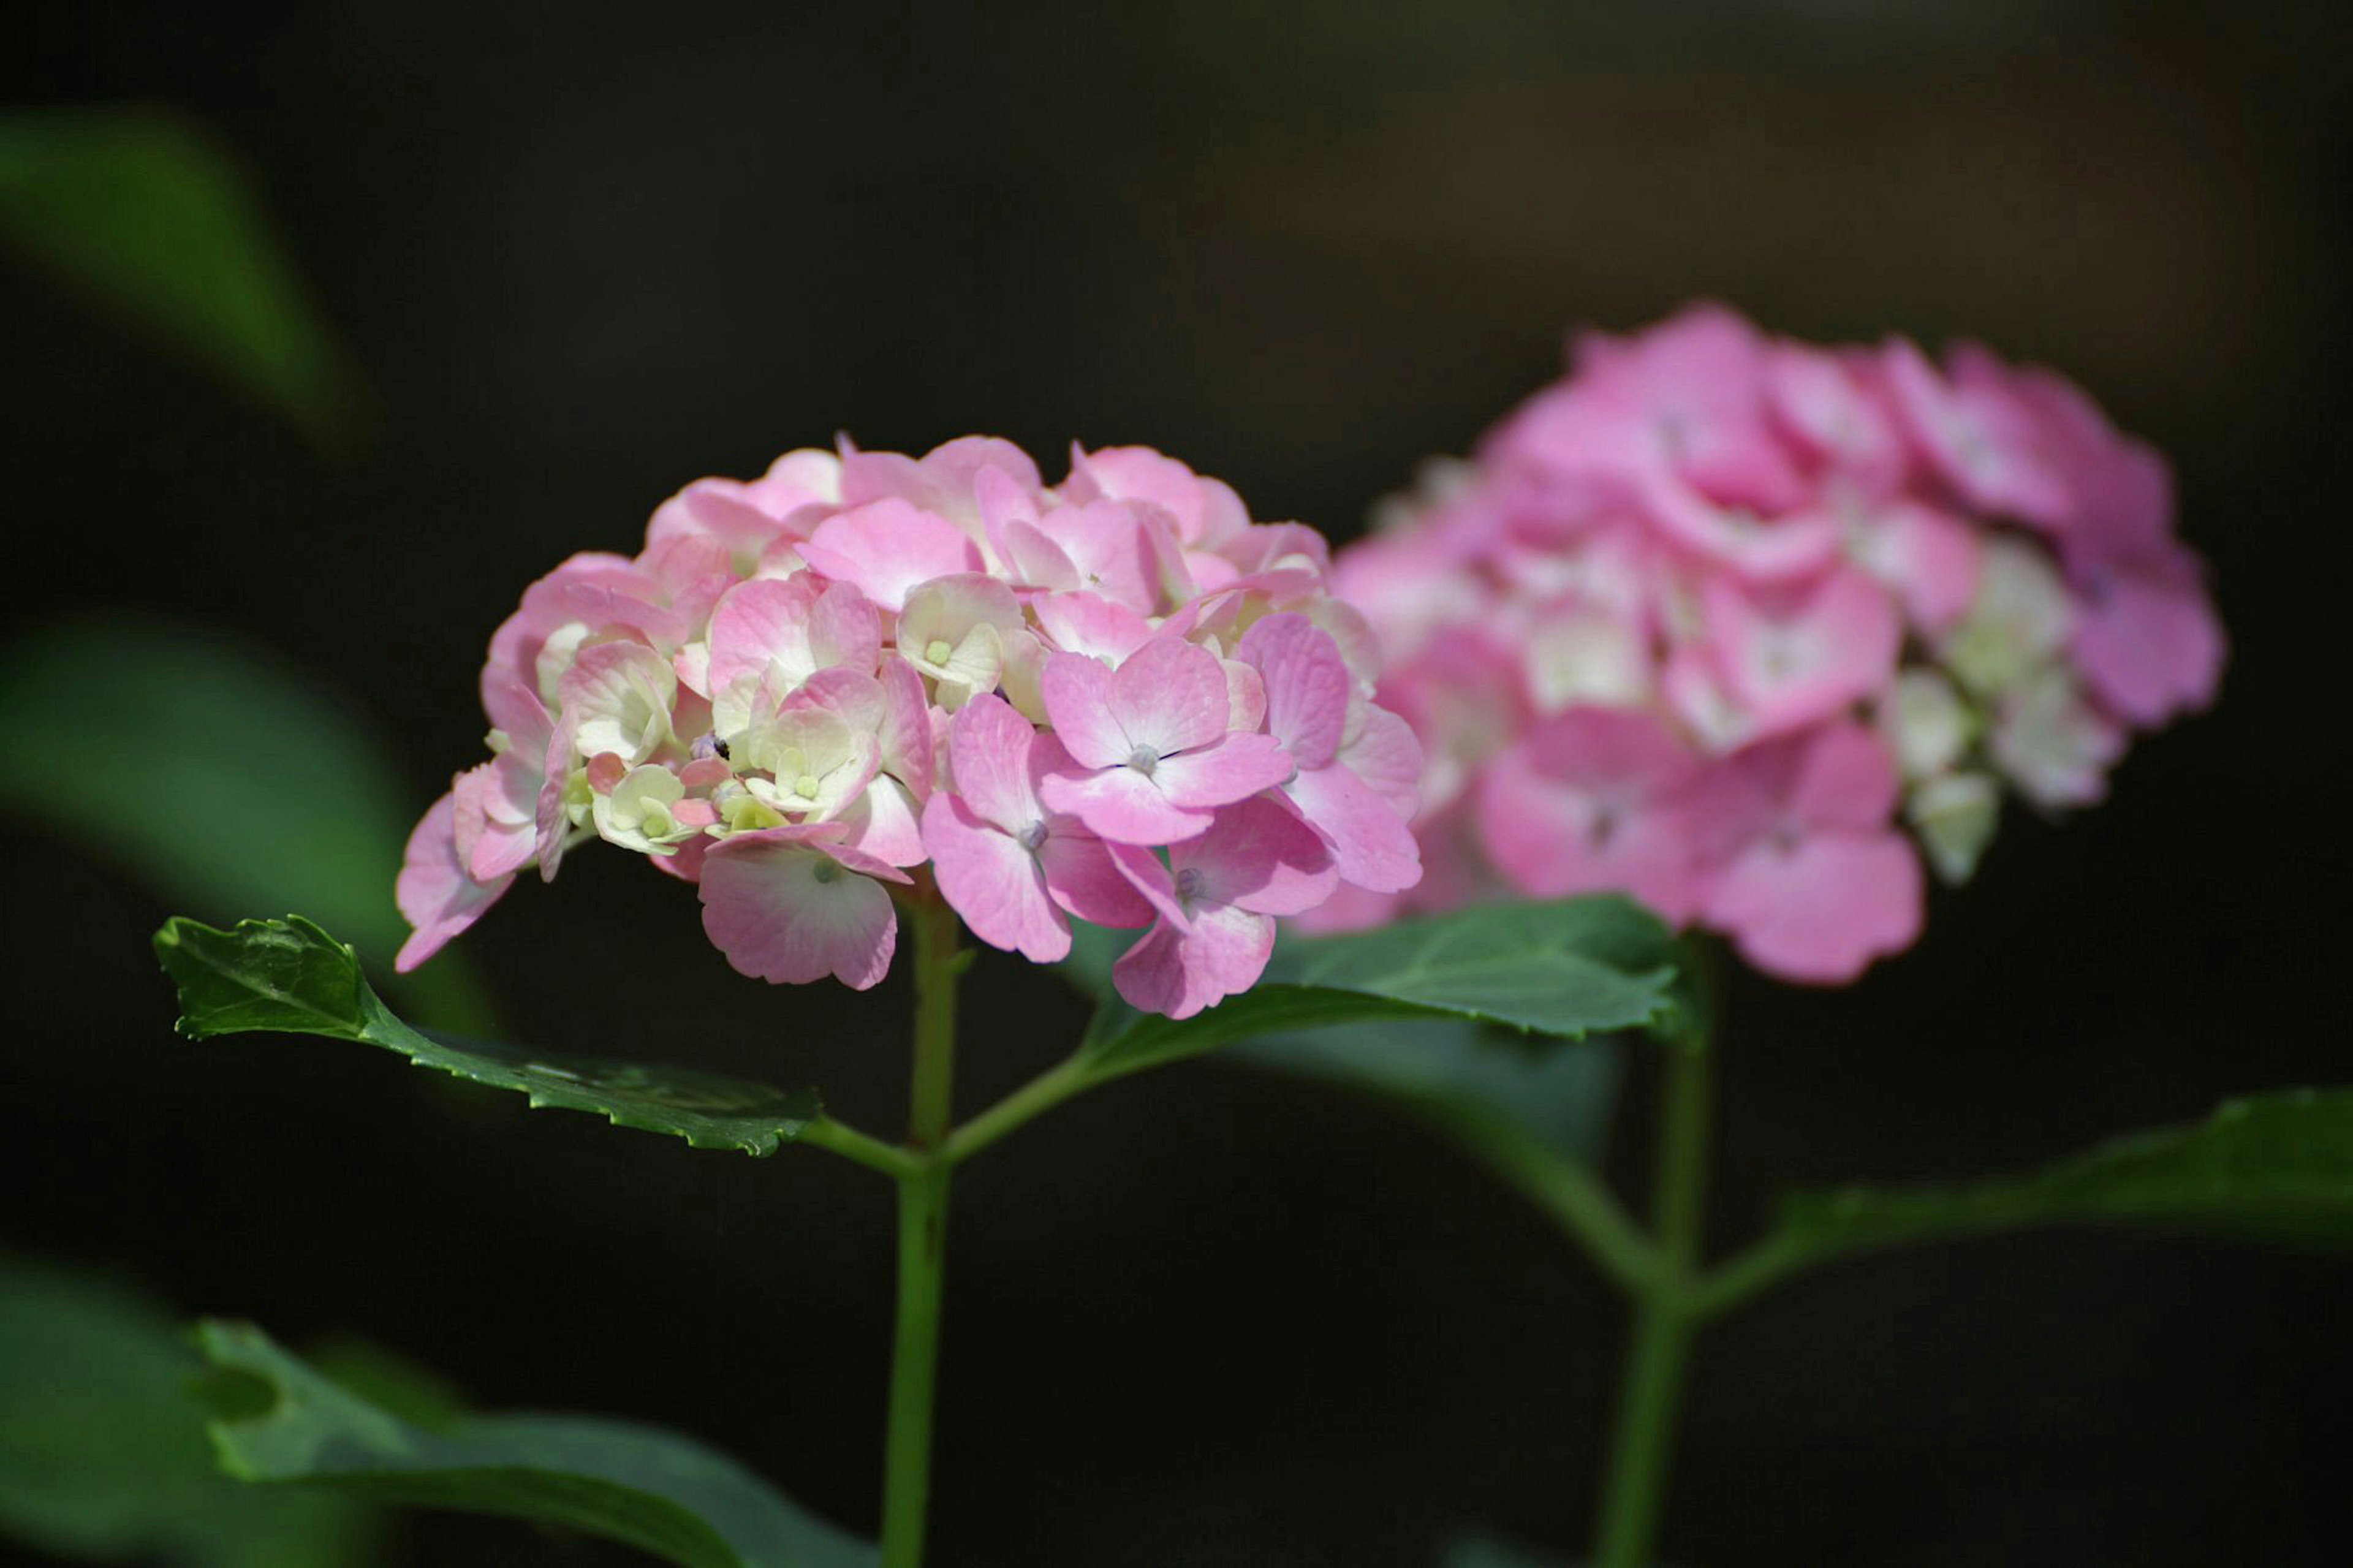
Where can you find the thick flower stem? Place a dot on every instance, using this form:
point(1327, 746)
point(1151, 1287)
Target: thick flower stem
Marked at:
point(923, 1237)
point(1634, 1488)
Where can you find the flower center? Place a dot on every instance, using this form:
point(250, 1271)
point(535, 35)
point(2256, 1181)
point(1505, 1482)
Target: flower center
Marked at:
point(805, 786)
point(1031, 837)
point(825, 871)
point(1190, 883)
point(937, 651)
point(1143, 760)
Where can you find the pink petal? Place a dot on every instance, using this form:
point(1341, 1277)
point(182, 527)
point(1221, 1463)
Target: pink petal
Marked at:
point(1820, 911)
point(686, 862)
point(951, 605)
point(516, 709)
point(944, 480)
point(1257, 856)
point(1552, 836)
point(1082, 876)
point(756, 621)
point(1122, 805)
point(1758, 549)
point(1387, 756)
point(1092, 625)
point(887, 548)
point(630, 603)
point(1978, 432)
point(2147, 641)
point(998, 886)
point(1307, 685)
point(1153, 882)
point(1272, 549)
point(1001, 500)
point(1819, 396)
point(801, 623)
point(1792, 658)
point(798, 480)
point(1076, 691)
point(784, 906)
point(1371, 841)
point(854, 698)
point(1038, 560)
point(884, 822)
point(724, 510)
point(507, 799)
point(433, 891)
point(909, 744)
point(1234, 769)
point(1245, 696)
point(1930, 558)
point(618, 694)
point(1167, 695)
point(549, 822)
point(1180, 973)
point(1838, 776)
point(1104, 547)
point(988, 757)
point(1847, 779)
point(1206, 511)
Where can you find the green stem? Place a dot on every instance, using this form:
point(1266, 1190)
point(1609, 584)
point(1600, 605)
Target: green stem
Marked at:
point(1749, 1273)
point(848, 1141)
point(1566, 1189)
point(1041, 1094)
point(1635, 1485)
point(923, 1237)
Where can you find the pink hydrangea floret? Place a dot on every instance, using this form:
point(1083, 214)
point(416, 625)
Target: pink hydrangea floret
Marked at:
point(1746, 628)
point(1117, 698)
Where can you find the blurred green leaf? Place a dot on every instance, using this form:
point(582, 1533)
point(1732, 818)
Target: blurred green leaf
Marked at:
point(103, 1452)
point(1566, 968)
point(279, 796)
point(648, 1487)
point(1561, 1095)
point(142, 212)
point(2277, 1165)
point(290, 976)
point(1479, 1550)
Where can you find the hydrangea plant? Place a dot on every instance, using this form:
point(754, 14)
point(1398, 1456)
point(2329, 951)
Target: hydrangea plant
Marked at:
point(1117, 698)
point(1746, 627)
point(1721, 619)
point(1740, 628)
point(869, 687)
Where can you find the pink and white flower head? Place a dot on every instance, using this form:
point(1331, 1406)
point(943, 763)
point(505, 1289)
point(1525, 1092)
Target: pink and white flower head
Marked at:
point(1733, 624)
point(1117, 698)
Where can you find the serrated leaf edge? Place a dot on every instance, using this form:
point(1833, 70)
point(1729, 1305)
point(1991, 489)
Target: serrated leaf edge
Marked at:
point(759, 1145)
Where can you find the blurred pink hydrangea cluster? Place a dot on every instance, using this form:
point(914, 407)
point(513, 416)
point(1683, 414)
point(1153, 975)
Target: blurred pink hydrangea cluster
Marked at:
point(1718, 617)
point(1117, 698)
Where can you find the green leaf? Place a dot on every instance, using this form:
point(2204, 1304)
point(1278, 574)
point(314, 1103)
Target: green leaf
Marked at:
point(2276, 1164)
point(1566, 968)
point(277, 796)
point(1559, 1094)
point(648, 1487)
point(102, 1453)
point(1481, 1551)
point(141, 211)
point(291, 976)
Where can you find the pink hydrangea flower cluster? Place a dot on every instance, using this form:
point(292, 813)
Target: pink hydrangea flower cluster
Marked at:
point(1733, 623)
point(1117, 698)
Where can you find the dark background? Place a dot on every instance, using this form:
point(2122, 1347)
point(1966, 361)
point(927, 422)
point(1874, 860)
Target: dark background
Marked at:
point(1209, 1318)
